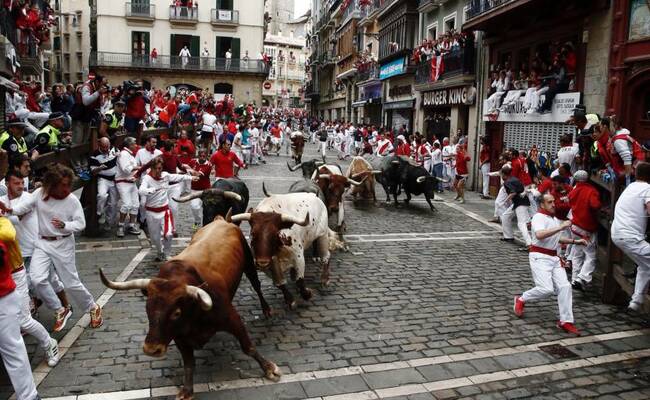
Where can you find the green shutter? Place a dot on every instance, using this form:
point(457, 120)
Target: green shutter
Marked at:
point(146, 43)
point(172, 45)
point(217, 52)
point(195, 46)
point(236, 47)
point(225, 4)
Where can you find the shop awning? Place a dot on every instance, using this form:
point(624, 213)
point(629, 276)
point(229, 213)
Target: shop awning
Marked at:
point(366, 102)
point(396, 105)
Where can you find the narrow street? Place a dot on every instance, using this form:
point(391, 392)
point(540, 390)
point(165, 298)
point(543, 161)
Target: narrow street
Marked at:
point(419, 308)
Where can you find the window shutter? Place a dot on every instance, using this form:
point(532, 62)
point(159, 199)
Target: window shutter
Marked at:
point(218, 49)
point(236, 48)
point(146, 43)
point(172, 45)
point(195, 44)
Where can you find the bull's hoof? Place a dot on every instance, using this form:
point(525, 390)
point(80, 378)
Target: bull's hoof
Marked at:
point(306, 294)
point(272, 372)
point(185, 394)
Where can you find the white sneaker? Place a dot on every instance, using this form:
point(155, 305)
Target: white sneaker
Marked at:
point(52, 353)
point(102, 219)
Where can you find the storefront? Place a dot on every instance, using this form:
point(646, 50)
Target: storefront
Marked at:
point(367, 108)
point(398, 98)
point(446, 110)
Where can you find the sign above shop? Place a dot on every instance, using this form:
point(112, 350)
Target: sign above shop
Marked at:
point(449, 97)
point(397, 91)
point(393, 68)
point(561, 111)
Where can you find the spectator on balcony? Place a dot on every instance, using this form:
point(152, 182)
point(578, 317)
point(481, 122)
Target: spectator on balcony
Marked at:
point(499, 86)
point(228, 59)
point(185, 56)
point(559, 84)
point(245, 60)
point(534, 92)
point(154, 56)
point(205, 56)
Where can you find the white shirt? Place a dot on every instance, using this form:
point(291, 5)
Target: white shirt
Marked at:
point(228, 55)
point(568, 155)
point(209, 122)
point(27, 227)
point(143, 156)
point(154, 191)
point(542, 222)
point(126, 164)
point(185, 53)
point(384, 147)
point(448, 152)
point(630, 216)
point(68, 210)
point(436, 156)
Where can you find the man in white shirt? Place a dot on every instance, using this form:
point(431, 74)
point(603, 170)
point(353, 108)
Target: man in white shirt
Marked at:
point(437, 166)
point(384, 146)
point(629, 229)
point(185, 56)
point(448, 156)
point(228, 59)
point(208, 129)
point(103, 164)
point(60, 216)
point(549, 276)
point(160, 223)
point(148, 152)
point(568, 153)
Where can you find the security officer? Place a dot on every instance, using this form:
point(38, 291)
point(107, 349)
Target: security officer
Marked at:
point(50, 137)
point(113, 120)
point(12, 140)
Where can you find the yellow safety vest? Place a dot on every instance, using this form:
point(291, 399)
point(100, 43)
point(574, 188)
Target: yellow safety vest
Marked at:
point(3, 137)
point(53, 135)
point(115, 122)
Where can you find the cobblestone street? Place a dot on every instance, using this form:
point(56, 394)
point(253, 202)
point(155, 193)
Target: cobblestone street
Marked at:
point(419, 308)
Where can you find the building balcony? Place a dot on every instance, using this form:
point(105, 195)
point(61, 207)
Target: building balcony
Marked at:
point(327, 59)
point(482, 11)
point(184, 15)
point(224, 17)
point(456, 64)
point(203, 65)
point(368, 72)
point(140, 12)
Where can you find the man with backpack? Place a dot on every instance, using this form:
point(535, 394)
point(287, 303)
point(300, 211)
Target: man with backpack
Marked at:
point(625, 153)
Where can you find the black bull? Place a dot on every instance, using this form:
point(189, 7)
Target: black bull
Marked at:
point(399, 174)
point(225, 194)
point(308, 167)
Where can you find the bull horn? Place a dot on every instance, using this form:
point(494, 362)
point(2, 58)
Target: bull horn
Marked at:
point(395, 162)
point(356, 183)
point(231, 195)
point(264, 190)
point(377, 172)
point(229, 215)
point(201, 296)
point(127, 285)
point(189, 197)
point(319, 163)
point(323, 176)
point(241, 217)
point(288, 218)
point(421, 179)
point(216, 192)
point(295, 167)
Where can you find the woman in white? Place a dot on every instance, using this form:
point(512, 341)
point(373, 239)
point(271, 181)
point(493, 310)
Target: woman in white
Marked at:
point(160, 222)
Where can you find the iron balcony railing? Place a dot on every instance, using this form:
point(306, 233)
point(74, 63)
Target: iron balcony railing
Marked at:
point(139, 10)
point(457, 62)
point(479, 7)
point(203, 64)
point(224, 16)
point(352, 8)
point(184, 14)
point(368, 72)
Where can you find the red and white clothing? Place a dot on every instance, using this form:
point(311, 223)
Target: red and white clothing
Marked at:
point(384, 148)
point(484, 161)
point(144, 155)
point(568, 154)
point(423, 157)
point(585, 203)
point(202, 184)
point(160, 222)
point(223, 164)
point(403, 149)
point(548, 275)
point(461, 163)
point(125, 182)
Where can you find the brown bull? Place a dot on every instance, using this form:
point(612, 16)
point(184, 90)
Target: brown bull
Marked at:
point(297, 148)
point(191, 298)
point(361, 170)
point(333, 184)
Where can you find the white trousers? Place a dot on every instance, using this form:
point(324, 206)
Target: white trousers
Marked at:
point(523, 218)
point(501, 203)
point(322, 148)
point(428, 165)
point(639, 252)
point(12, 348)
point(448, 173)
point(485, 170)
point(512, 97)
point(493, 101)
point(583, 258)
point(130, 198)
point(550, 278)
point(197, 211)
point(161, 240)
point(47, 293)
point(60, 254)
point(174, 191)
point(531, 99)
point(27, 323)
point(106, 196)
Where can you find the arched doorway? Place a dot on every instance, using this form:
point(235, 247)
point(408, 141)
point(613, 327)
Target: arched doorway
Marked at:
point(637, 108)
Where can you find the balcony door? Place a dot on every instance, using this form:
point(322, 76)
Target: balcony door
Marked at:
point(225, 4)
point(139, 47)
point(177, 42)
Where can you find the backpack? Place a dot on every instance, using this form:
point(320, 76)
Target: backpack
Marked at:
point(635, 147)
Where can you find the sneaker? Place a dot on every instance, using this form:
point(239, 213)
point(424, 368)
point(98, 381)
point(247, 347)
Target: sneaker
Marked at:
point(133, 230)
point(62, 318)
point(568, 327)
point(507, 240)
point(633, 307)
point(577, 285)
point(120, 231)
point(96, 319)
point(519, 306)
point(461, 201)
point(52, 353)
point(102, 219)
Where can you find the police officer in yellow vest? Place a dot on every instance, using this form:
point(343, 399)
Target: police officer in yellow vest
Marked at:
point(12, 140)
point(50, 137)
point(112, 121)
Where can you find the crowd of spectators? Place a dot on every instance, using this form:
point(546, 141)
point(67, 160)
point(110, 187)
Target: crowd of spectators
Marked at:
point(449, 42)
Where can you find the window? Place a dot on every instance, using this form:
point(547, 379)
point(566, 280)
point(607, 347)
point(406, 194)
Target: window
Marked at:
point(465, 12)
point(192, 43)
point(224, 4)
point(432, 31)
point(450, 22)
point(223, 44)
point(139, 43)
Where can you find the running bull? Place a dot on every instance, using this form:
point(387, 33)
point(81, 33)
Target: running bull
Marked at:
point(225, 194)
point(191, 298)
point(297, 147)
point(397, 174)
point(282, 227)
point(308, 167)
point(333, 184)
point(301, 186)
point(361, 169)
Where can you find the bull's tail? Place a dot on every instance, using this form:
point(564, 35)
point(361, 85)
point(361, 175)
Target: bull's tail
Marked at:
point(336, 241)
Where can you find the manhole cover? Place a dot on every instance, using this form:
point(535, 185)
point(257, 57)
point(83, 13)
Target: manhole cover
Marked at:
point(558, 351)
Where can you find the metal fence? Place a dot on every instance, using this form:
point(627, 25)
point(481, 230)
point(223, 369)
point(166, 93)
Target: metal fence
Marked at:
point(478, 7)
point(140, 10)
point(224, 16)
point(455, 63)
point(180, 13)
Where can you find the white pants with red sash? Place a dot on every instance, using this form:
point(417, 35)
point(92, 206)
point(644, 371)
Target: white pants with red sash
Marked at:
point(583, 258)
point(160, 224)
point(550, 278)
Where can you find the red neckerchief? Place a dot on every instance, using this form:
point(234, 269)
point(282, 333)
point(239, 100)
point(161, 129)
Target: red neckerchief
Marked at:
point(154, 178)
point(543, 211)
point(151, 151)
point(128, 151)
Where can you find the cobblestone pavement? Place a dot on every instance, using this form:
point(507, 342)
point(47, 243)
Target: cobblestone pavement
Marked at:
point(419, 308)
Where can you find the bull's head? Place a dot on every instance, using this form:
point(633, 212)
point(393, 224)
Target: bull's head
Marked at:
point(266, 239)
point(215, 201)
point(170, 305)
point(333, 187)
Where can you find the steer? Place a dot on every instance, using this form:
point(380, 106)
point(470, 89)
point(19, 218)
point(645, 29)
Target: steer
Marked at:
point(308, 167)
point(282, 227)
point(297, 147)
point(333, 184)
point(191, 298)
point(360, 168)
point(225, 194)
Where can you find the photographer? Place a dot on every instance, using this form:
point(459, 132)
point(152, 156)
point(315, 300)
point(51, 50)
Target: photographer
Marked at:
point(89, 98)
point(136, 108)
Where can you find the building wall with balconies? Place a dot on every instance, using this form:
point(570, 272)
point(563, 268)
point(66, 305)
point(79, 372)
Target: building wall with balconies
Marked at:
point(68, 58)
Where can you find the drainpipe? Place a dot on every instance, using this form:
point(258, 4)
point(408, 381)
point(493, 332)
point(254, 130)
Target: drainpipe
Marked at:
point(480, 87)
